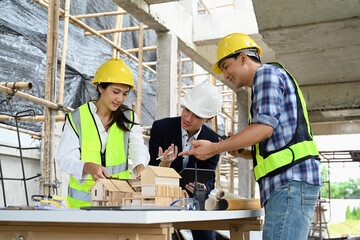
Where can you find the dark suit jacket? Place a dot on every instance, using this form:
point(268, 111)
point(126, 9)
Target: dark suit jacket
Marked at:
point(166, 131)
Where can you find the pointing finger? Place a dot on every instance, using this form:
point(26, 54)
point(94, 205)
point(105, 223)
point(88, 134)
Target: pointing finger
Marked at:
point(195, 143)
point(190, 152)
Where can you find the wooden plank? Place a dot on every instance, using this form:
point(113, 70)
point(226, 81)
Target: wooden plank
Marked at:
point(237, 232)
point(140, 71)
point(216, 224)
point(31, 98)
point(63, 54)
point(104, 14)
point(117, 30)
point(117, 36)
point(50, 95)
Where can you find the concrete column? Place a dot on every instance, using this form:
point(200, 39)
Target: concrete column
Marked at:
point(245, 6)
point(190, 6)
point(238, 4)
point(244, 165)
point(166, 81)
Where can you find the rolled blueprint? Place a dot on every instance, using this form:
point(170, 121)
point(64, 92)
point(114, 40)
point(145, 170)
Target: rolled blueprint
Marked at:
point(239, 204)
point(211, 204)
point(221, 194)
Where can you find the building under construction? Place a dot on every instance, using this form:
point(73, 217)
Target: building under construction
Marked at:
point(50, 51)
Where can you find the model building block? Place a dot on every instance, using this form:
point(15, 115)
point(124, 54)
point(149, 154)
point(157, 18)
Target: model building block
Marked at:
point(159, 186)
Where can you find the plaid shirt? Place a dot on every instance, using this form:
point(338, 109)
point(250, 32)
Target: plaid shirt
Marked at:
point(274, 104)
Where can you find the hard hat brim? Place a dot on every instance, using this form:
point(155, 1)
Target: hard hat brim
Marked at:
point(96, 83)
point(216, 69)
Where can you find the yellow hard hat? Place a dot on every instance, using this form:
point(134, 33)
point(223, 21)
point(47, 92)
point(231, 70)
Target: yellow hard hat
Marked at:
point(114, 70)
point(231, 44)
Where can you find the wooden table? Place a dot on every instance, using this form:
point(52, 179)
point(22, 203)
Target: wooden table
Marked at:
point(122, 225)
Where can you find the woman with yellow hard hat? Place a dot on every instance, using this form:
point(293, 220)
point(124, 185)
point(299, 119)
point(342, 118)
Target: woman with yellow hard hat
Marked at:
point(99, 136)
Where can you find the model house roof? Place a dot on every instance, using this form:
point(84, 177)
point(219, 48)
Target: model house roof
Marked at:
point(161, 172)
point(122, 185)
point(114, 185)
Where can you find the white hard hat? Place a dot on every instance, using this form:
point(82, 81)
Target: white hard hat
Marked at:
point(204, 100)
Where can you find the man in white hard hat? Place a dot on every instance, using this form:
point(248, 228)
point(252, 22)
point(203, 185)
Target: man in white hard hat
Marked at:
point(174, 135)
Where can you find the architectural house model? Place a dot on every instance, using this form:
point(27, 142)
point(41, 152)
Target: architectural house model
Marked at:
point(159, 186)
point(110, 192)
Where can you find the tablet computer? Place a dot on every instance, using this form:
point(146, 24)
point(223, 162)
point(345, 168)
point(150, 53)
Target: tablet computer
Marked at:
point(188, 175)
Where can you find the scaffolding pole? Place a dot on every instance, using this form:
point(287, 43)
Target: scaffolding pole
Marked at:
point(50, 93)
point(140, 57)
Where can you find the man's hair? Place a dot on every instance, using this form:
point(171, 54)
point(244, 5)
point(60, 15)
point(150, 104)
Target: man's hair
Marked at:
point(235, 56)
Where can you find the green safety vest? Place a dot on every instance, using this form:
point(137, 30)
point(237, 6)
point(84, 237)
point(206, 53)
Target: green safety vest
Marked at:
point(300, 148)
point(114, 158)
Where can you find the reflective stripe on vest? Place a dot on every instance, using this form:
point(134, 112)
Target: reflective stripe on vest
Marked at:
point(300, 147)
point(116, 152)
point(77, 198)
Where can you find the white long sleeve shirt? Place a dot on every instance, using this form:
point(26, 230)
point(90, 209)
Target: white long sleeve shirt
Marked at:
point(68, 156)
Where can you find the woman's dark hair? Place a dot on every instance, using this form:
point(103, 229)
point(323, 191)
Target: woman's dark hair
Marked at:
point(117, 116)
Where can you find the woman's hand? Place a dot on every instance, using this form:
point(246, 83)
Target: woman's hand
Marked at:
point(139, 169)
point(168, 156)
point(95, 170)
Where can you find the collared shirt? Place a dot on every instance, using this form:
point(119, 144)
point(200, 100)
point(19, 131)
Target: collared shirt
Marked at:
point(274, 104)
point(186, 144)
point(68, 157)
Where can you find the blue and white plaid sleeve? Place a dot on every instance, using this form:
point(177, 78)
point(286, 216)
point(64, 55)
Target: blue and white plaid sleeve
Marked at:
point(267, 91)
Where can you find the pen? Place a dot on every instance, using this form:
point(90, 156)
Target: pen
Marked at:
point(163, 155)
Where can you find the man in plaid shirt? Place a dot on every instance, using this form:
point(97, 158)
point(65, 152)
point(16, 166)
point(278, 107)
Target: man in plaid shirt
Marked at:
point(286, 161)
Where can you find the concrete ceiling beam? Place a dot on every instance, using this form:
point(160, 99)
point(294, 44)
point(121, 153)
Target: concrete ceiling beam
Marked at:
point(159, 1)
point(334, 116)
point(314, 37)
point(332, 96)
point(323, 66)
point(140, 9)
point(329, 103)
point(196, 34)
point(316, 41)
point(210, 28)
point(336, 128)
point(284, 13)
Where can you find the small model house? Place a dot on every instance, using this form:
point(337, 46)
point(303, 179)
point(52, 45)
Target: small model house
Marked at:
point(159, 187)
point(110, 192)
point(159, 176)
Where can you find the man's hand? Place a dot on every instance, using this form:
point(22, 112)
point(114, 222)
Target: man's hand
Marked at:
point(167, 157)
point(95, 170)
point(243, 153)
point(234, 153)
point(191, 186)
point(202, 149)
